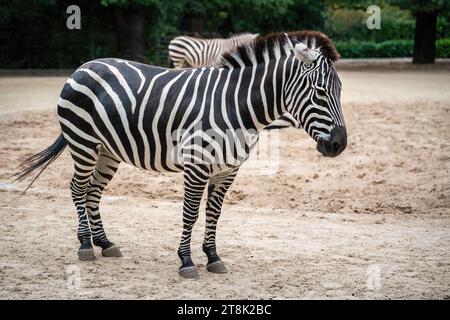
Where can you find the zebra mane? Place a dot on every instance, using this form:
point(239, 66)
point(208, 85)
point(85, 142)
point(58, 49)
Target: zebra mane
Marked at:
point(276, 42)
point(241, 34)
point(230, 36)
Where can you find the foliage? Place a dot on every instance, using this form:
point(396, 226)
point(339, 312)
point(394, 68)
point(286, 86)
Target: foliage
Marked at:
point(443, 48)
point(443, 25)
point(130, 3)
point(387, 49)
point(423, 5)
point(224, 17)
point(265, 16)
point(33, 33)
point(344, 23)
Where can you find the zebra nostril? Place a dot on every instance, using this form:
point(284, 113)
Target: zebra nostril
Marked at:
point(336, 146)
point(339, 140)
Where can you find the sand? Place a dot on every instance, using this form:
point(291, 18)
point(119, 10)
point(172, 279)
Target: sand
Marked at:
point(371, 223)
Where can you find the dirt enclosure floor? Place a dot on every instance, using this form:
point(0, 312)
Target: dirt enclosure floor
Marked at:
point(371, 223)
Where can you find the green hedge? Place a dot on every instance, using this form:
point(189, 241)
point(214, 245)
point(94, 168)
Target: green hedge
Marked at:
point(443, 48)
point(387, 49)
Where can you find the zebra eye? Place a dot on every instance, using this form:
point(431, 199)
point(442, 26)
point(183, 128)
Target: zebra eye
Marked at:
point(321, 92)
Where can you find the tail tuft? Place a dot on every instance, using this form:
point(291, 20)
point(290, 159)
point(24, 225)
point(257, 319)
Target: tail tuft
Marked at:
point(39, 161)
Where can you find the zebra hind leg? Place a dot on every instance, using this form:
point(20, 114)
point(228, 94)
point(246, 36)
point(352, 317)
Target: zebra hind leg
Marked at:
point(195, 180)
point(217, 188)
point(84, 166)
point(104, 171)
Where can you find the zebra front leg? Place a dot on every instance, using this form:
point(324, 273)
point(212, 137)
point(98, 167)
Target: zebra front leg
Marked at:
point(195, 179)
point(105, 169)
point(218, 186)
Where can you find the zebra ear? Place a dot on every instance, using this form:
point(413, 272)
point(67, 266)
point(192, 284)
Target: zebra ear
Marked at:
point(289, 42)
point(306, 54)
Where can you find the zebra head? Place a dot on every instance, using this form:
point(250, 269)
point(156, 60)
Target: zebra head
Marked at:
point(312, 96)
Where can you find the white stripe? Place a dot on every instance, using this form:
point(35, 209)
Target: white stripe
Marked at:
point(257, 124)
point(139, 72)
point(159, 110)
point(120, 109)
point(174, 111)
point(102, 113)
point(122, 82)
point(141, 120)
point(262, 89)
point(227, 120)
point(191, 104)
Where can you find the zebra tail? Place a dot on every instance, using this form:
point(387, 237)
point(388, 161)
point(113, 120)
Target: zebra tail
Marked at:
point(39, 162)
point(171, 64)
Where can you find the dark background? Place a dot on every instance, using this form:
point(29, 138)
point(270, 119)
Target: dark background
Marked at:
point(33, 33)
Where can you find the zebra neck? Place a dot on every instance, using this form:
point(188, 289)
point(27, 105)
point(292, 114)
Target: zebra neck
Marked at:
point(259, 94)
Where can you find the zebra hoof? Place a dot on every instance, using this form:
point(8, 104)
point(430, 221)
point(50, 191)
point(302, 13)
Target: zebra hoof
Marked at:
point(217, 267)
point(112, 252)
point(189, 273)
point(86, 254)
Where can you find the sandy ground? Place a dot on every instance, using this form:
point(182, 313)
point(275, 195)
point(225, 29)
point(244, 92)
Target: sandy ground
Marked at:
point(372, 223)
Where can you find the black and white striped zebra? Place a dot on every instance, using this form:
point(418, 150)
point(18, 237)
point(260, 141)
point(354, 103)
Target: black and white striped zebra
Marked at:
point(201, 121)
point(186, 51)
point(191, 52)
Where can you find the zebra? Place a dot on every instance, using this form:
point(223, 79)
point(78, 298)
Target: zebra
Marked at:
point(112, 111)
point(185, 51)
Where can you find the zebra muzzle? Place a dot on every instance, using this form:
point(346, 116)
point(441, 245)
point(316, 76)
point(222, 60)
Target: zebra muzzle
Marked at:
point(335, 144)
